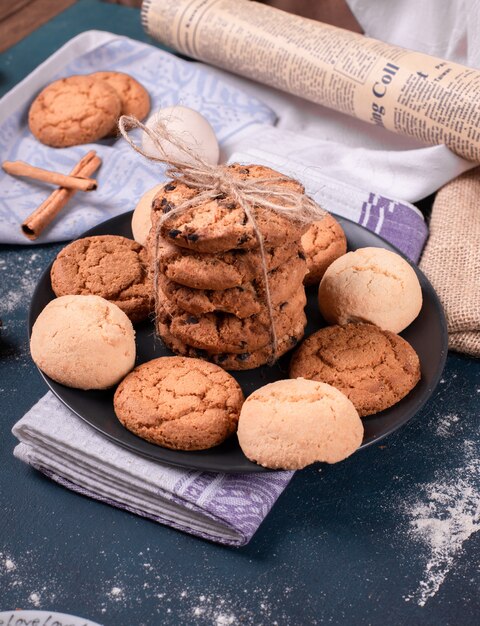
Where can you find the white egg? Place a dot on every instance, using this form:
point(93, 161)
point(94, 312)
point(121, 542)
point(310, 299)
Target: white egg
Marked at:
point(188, 126)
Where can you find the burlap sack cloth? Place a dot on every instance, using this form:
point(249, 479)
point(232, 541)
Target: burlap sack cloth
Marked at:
point(451, 259)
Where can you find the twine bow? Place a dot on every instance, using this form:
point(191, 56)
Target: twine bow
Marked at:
point(251, 195)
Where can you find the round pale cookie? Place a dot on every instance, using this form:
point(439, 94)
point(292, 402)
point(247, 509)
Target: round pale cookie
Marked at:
point(371, 285)
point(84, 342)
point(221, 224)
point(372, 367)
point(133, 96)
point(242, 361)
point(141, 220)
point(243, 301)
point(323, 242)
point(179, 403)
point(221, 332)
point(220, 271)
point(73, 110)
point(290, 424)
point(109, 266)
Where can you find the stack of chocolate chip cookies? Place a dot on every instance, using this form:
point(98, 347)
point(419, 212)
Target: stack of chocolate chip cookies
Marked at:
point(211, 299)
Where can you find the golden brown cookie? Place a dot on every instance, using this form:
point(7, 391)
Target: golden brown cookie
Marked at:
point(74, 110)
point(223, 270)
point(221, 224)
point(109, 266)
point(243, 301)
point(179, 403)
point(289, 424)
point(242, 361)
point(372, 367)
point(221, 332)
point(133, 96)
point(323, 242)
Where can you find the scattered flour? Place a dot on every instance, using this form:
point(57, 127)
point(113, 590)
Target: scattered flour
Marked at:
point(446, 425)
point(116, 593)
point(19, 289)
point(9, 564)
point(443, 519)
point(34, 599)
point(222, 619)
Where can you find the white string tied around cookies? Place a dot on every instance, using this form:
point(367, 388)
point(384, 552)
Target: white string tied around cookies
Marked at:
point(215, 180)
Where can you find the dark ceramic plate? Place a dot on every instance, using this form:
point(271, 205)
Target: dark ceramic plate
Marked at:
point(427, 334)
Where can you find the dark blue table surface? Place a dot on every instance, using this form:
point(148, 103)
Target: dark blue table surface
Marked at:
point(384, 538)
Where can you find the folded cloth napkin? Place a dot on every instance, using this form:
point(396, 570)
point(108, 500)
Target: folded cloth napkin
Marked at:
point(451, 259)
point(226, 508)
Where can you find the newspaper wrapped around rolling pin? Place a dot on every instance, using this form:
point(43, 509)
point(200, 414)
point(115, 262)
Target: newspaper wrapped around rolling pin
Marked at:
point(410, 93)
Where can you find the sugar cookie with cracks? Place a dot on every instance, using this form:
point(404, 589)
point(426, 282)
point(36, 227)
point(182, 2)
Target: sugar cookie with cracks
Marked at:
point(179, 403)
point(74, 110)
point(373, 367)
point(109, 266)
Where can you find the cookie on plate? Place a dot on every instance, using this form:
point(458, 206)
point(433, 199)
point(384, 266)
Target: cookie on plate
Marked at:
point(230, 361)
point(323, 242)
point(74, 110)
point(373, 367)
point(221, 332)
point(109, 266)
point(223, 270)
point(371, 285)
point(221, 224)
point(133, 96)
point(242, 301)
point(290, 424)
point(84, 342)
point(179, 403)
point(141, 219)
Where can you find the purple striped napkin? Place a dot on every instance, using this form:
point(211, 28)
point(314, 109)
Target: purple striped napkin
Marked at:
point(226, 508)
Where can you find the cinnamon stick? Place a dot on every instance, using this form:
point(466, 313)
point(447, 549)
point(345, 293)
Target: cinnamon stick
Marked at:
point(33, 226)
point(19, 168)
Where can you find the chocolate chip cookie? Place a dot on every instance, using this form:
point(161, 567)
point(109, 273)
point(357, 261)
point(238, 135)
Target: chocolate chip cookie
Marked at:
point(179, 403)
point(221, 332)
point(109, 266)
point(372, 367)
point(242, 361)
point(221, 224)
point(243, 301)
point(217, 271)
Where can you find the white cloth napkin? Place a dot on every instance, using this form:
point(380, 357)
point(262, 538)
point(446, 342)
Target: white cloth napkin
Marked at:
point(226, 508)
